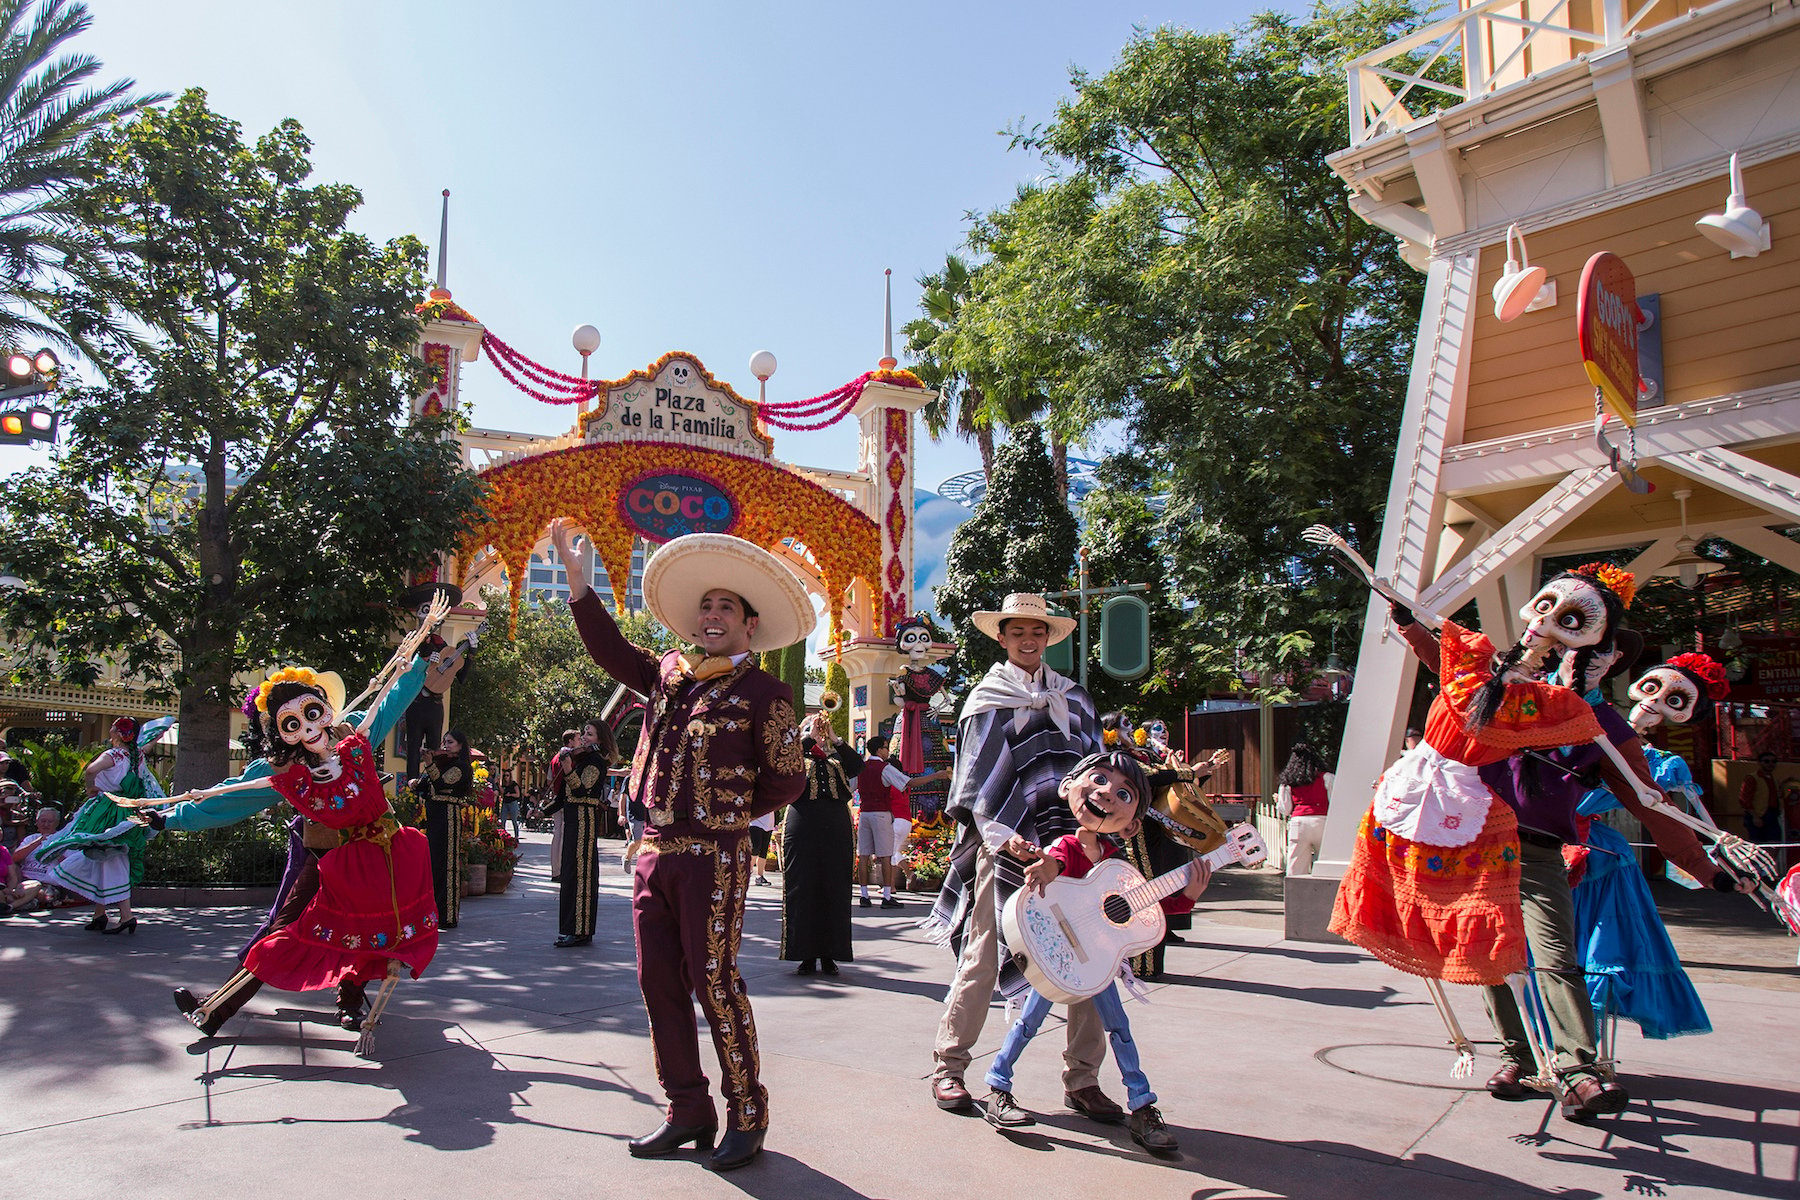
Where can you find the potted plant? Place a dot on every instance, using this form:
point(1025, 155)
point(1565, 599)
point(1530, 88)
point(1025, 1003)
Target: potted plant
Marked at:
point(475, 867)
point(502, 858)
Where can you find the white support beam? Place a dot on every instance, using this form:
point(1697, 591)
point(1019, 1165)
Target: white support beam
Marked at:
point(1769, 544)
point(1435, 394)
point(1440, 180)
point(1523, 536)
point(1761, 416)
point(1654, 558)
point(1732, 473)
point(1621, 104)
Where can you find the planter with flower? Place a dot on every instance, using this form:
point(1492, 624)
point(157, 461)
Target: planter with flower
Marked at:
point(927, 856)
point(502, 850)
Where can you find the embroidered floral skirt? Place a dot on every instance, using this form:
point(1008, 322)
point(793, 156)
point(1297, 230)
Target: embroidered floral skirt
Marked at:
point(1433, 911)
point(370, 908)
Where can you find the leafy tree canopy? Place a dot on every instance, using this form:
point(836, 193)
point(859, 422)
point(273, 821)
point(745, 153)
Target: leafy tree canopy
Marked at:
point(247, 489)
point(521, 692)
point(1188, 265)
point(1021, 539)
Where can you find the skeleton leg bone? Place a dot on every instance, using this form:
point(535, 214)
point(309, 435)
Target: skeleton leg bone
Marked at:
point(365, 1045)
point(1465, 1049)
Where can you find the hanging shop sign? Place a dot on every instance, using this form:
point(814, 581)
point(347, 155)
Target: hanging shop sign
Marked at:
point(676, 399)
point(1607, 319)
point(668, 505)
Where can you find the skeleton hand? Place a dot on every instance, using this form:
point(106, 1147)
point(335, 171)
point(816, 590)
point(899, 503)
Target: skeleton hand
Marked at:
point(1748, 864)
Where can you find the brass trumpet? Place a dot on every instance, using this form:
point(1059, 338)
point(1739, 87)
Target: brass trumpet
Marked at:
point(830, 701)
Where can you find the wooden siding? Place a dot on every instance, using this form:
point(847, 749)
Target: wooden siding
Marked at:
point(1728, 324)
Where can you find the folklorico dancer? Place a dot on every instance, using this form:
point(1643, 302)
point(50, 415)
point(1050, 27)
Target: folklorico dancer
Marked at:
point(585, 783)
point(446, 785)
point(99, 854)
point(298, 739)
point(720, 746)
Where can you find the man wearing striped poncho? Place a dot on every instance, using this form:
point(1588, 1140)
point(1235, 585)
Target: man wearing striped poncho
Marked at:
point(1022, 728)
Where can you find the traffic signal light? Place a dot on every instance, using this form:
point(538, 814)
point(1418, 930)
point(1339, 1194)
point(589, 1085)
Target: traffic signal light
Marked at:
point(28, 375)
point(1125, 637)
point(1061, 657)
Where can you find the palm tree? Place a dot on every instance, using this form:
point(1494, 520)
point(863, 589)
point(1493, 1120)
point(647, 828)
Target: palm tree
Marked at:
point(931, 341)
point(51, 265)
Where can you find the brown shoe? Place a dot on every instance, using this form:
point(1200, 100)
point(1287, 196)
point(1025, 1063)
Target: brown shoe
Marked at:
point(1589, 1096)
point(1095, 1105)
point(1505, 1084)
point(950, 1094)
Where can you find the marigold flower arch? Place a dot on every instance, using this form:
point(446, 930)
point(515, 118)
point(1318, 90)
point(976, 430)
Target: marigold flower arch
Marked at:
point(585, 484)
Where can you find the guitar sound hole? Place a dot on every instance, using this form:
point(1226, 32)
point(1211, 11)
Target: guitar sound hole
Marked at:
point(1116, 910)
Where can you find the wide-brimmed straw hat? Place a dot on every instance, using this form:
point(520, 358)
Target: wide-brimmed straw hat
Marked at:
point(1024, 606)
point(687, 568)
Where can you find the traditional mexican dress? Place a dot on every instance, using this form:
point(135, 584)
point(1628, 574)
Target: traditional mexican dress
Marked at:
point(374, 900)
point(1433, 883)
point(99, 855)
point(1630, 964)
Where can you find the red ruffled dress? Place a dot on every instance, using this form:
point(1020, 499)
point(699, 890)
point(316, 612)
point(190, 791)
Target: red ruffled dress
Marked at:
point(1433, 882)
point(374, 900)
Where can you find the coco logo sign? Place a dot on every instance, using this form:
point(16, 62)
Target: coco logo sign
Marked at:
point(666, 506)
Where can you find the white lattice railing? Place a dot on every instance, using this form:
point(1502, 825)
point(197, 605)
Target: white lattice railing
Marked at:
point(1488, 45)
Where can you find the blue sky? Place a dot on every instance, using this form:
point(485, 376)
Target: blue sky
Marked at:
point(714, 177)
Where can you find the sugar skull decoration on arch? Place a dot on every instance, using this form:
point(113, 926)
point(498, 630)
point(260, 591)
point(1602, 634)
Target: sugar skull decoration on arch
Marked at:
point(1675, 691)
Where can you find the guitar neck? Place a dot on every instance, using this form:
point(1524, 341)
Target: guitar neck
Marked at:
point(1154, 891)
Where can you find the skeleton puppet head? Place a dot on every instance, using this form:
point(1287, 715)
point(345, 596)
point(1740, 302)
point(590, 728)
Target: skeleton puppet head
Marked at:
point(1576, 612)
point(300, 709)
point(912, 637)
point(1675, 691)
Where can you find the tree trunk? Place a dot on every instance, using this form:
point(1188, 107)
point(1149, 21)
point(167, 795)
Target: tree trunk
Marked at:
point(1059, 462)
point(984, 440)
point(205, 754)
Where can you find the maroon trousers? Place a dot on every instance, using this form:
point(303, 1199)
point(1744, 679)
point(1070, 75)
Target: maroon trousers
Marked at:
point(687, 906)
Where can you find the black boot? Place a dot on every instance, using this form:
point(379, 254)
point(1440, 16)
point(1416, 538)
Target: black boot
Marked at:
point(669, 1138)
point(736, 1149)
point(350, 1003)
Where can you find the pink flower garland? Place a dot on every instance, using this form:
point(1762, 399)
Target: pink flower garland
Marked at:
point(553, 387)
point(535, 380)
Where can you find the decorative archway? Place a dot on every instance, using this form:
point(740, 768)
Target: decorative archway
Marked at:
point(619, 491)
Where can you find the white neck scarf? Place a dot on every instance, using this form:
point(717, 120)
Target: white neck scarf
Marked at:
point(1007, 687)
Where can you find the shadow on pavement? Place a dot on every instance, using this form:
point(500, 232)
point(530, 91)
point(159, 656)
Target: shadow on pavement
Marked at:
point(453, 1101)
point(1363, 998)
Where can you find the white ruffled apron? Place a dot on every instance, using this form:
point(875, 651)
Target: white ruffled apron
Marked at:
point(1432, 800)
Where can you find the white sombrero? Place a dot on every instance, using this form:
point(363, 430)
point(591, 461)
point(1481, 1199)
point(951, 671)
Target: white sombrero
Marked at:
point(683, 571)
point(1024, 606)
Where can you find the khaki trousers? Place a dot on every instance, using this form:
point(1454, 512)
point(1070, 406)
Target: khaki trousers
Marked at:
point(1550, 932)
point(972, 993)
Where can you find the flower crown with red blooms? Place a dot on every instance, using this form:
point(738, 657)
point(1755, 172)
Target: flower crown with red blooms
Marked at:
point(1617, 580)
point(1705, 670)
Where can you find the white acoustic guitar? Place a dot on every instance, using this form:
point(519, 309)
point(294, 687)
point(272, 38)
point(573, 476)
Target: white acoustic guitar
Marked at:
point(1070, 941)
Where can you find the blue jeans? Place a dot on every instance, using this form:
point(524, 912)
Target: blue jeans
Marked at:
point(1118, 1029)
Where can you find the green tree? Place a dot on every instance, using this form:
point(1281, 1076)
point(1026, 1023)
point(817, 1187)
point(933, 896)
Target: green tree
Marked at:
point(523, 690)
point(1021, 539)
point(838, 680)
point(247, 488)
point(50, 110)
point(1189, 265)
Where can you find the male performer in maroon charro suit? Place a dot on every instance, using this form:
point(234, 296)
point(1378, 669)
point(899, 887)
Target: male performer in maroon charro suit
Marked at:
point(720, 746)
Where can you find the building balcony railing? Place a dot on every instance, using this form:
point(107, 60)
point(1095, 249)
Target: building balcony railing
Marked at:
point(1487, 46)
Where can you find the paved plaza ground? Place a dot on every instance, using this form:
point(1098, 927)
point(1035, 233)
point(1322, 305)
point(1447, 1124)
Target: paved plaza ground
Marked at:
point(515, 1069)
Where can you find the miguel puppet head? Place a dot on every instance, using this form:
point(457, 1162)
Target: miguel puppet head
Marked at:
point(1675, 691)
point(300, 709)
point(1576, 613)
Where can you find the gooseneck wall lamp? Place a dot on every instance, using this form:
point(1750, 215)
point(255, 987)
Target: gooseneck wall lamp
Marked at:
point(1740, 228)
point(1521, 288)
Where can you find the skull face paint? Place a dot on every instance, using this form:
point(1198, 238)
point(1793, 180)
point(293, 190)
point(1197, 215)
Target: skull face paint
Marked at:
point(1663, 694)
point(1593, 666)
point(306, 721)
point(1567, 611)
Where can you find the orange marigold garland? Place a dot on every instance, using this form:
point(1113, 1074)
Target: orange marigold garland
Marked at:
point(583, 484)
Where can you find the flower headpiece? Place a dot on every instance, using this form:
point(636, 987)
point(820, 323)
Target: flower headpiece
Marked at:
point(1617, 580)
point(300, 675)
point(1706, 672)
